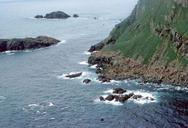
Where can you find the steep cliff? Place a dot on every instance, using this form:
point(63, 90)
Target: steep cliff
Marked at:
point(154, 38)
point(155, 33)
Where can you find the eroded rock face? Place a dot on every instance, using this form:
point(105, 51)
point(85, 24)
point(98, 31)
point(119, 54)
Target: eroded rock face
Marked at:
point(54, 15)
point(112, 66)
point(26, 43)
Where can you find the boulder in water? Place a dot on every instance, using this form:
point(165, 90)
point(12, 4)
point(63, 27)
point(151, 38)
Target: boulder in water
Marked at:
point(75, 15)
point(39, 16)
point(74, 75)
point(119, 91)
point(110, 97)
point(86, 81)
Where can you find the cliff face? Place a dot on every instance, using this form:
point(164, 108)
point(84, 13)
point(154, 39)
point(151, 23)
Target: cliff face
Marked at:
point(156, 33)
point(151, 44)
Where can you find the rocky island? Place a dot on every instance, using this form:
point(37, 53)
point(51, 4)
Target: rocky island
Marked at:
point(54, 15)
point(151, 45)
point(26, 43)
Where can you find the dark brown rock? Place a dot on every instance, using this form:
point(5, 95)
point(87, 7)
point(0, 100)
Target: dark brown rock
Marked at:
point(86, 81)
point(110, 98)
point(101, 98)
point(119, 91)
point(137, 96)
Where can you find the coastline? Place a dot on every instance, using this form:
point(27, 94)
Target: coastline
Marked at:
point(114, 66)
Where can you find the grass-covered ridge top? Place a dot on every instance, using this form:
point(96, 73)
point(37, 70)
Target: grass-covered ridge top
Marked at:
point(156, 33)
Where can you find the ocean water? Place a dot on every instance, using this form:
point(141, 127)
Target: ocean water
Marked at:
point(34, 92)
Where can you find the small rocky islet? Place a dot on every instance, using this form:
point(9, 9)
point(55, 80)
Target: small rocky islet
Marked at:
point(120, 95)
point(18, 44)
point(56, 15)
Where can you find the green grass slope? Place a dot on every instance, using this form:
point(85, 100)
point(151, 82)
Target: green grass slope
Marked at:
point(136, 37)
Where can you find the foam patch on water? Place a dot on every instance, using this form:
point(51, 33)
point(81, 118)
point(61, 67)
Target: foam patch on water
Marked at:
point(33, 105)
point(115, 103)
point(83, 63)
point(63, 76)
point(60, 43)
point(2, 98)
point(93, 66)
point(172, 88)
point(86, 53)
point(51, 104)
point(147, 97)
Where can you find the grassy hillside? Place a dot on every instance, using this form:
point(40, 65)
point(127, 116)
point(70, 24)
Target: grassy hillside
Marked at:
point(147, 34)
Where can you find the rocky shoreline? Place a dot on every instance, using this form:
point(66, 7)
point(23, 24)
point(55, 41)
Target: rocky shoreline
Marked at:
point(18, 44)
point(114, 66)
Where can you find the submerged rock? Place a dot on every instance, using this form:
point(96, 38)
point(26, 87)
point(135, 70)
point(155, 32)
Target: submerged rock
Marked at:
point(86, 81)
point(26, 43)
point(74, 75)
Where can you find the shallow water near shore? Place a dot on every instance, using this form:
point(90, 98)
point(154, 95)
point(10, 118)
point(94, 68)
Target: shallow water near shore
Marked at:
point(34, 92)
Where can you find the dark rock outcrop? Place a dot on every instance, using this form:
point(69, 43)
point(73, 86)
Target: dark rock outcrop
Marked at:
point(39, 16)
point(137, 96)
point(75, 15)
point(101, 98)
point(110, 97)
point(119, 98)
point(86, 81)
point(96, 47)
point(74, 75)
point(54, 15)
point(26, 43)
point(119, 91)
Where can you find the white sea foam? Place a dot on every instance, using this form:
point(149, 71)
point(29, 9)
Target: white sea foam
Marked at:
point(115, 103)
point(147, 97)
point(2, 98)
point(51, 104)
point(86, 53)
point(110, 91)
point(93, 66)
point(60, 43)
point(33, 105)
point(63, 76)
point(172, 88)
point(83, 63)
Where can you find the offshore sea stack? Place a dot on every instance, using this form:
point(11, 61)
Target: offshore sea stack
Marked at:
point(54, 15)
point(18, 44)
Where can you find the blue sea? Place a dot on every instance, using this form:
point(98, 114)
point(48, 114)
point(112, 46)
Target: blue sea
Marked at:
point(34, 92)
